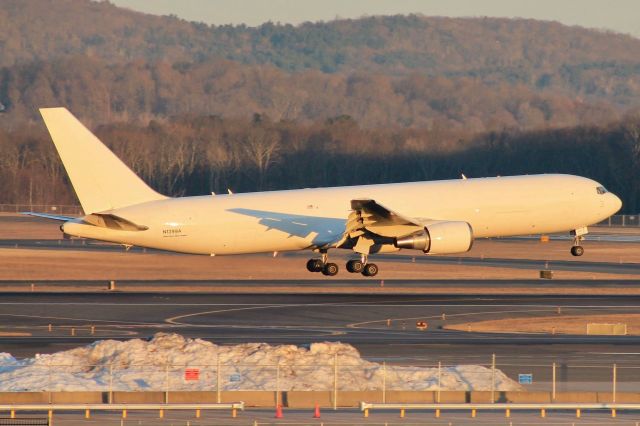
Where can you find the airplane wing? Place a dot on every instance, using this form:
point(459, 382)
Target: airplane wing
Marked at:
point(372, 227)
point(375, 214)
point(49, 216)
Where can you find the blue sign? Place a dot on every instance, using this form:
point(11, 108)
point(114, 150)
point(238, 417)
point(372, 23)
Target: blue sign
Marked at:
point(235, 378)
point(525, 379)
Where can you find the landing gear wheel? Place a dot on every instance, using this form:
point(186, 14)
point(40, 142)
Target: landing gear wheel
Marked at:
point(370, 270)
point(355, 266)
point(330, 269)
point(577, 250)
point(314, 265)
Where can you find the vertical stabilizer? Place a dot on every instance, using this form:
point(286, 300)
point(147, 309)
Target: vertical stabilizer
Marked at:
point(100, 179)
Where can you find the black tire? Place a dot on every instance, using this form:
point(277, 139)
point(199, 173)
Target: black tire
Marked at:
point(370, 270)
point(314, 265)
point(355, 266)
point(577, 250)
point(330, 269)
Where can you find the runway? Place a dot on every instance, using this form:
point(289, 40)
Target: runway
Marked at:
point(361, 320)
point(623, 268)
point(295, 319)
point(415, 287)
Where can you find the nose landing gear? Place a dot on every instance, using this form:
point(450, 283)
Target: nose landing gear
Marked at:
point(578, 236)
point(577, 250)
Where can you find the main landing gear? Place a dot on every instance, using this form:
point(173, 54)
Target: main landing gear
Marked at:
point(355, 266)
point(362, 266)
point(322, 265)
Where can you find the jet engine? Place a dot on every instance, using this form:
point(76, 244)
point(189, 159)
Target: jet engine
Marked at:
point(439, 238)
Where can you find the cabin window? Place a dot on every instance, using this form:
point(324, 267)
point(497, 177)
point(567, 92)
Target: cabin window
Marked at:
point(601, 190)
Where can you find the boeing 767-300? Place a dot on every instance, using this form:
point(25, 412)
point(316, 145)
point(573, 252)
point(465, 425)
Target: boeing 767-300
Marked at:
point(437, 217)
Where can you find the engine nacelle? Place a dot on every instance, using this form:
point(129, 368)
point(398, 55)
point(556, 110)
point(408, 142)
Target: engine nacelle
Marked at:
point(439, 238)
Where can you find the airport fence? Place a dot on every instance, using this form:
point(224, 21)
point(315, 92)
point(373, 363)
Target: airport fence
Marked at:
point(42, 208)
point(553, 378)
point(621, 220)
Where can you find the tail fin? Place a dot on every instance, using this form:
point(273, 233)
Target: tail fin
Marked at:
point(101, 181)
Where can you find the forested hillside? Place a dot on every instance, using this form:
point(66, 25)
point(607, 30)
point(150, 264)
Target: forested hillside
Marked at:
point(109, 63)
point(139, 91)
point(197, 108)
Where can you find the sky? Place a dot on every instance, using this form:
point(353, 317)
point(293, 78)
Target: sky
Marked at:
point(616, 15)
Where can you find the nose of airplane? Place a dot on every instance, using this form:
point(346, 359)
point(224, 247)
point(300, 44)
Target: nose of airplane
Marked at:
point(615, 203)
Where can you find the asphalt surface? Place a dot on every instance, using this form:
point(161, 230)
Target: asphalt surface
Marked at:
point(584, 362)
point(294, 286)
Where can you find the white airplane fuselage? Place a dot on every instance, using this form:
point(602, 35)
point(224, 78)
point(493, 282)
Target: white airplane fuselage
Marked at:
point(311, 218)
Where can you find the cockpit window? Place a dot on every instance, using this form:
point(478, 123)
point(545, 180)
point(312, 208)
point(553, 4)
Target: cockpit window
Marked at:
point(601, 190)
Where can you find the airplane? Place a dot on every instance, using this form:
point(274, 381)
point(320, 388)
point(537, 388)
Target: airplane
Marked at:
point(433, 217)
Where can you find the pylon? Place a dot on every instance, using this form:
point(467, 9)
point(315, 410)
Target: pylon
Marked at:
point(316, 413)
point(279, 411)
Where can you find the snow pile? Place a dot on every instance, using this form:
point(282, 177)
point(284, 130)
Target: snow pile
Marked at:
point(161, 364)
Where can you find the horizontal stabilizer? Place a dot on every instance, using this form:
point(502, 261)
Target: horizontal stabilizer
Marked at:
point(49, 216)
